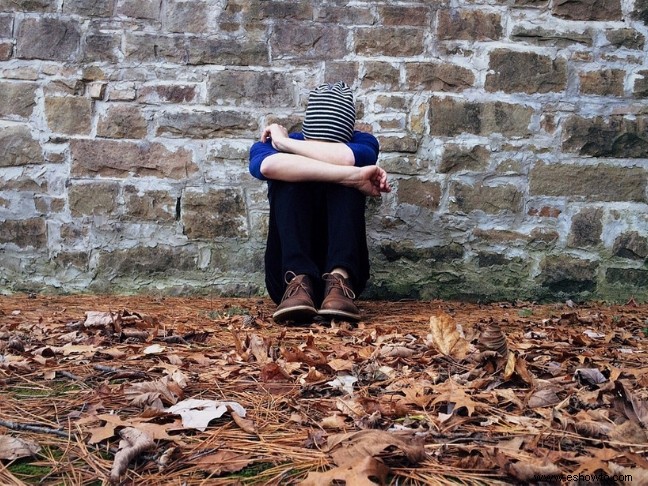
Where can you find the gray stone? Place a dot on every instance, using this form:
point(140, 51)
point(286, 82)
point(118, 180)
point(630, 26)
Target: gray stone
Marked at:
point(93, 199)
point(396, 250)
point(398, 144)
point(525, 72)
point(258, 88)
point(586, 228)
point(167, 93)
point(468, 24)
point(142, 262)
point(17, 99)
point(438, 76)
point(186, 17)
point(89, 8)
point(389, 41)
point(102, 47)
point(617, 136)
point(27, 6)
point(48, 38)
point(206, 124)
point(122, 122)
point(308, 42)
point(149, 205)
point(626, 38)
point(17, 147)
point(564, 275)
point(588, 9)
point(112, 158)
point(640, 11)
point(227, 52)
point(6, 25)
point(139, 9)
point(640, 89)
point(25, 233)
point(592, 182)
point(215, 213)
point(379, 73)
point(155, 48)
point(489, 199)
point(349, 15)
point(552, 38)
point(70, 115)
point(631, 245)
point(634, 277)
point(459, 159)
point(404, 15)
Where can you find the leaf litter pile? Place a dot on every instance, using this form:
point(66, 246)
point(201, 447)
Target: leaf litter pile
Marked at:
point(151, 390)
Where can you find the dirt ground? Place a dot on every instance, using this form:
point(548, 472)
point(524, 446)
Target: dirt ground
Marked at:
point(157, 390)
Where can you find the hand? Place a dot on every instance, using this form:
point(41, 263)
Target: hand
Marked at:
point(370, 180)
point(276, 133)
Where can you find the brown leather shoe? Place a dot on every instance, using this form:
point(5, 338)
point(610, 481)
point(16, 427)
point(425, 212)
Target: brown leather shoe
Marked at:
point(338, 298)
point(297, 302)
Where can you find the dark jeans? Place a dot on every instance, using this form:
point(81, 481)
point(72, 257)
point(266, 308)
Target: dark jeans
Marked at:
point(314, 228)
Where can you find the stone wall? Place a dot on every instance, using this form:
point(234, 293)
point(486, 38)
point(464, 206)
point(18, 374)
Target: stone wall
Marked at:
point(515, 133)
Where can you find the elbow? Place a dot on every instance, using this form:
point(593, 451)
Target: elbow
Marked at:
point(268, 169)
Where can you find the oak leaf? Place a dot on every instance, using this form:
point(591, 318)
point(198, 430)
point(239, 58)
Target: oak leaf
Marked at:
point(364, 473)
point(447, 337)
point(14, 448)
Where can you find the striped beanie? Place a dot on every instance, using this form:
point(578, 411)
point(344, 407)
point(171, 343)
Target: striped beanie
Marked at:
point(330, 114)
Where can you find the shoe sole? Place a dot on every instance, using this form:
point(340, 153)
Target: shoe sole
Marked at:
point(340, 314)
point(300, 313)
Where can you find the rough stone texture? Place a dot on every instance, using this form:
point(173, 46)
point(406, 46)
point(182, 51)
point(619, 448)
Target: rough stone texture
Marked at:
point(617, 136)
point(47, 38)
point(71, 115)
point(525, 72)
point(588, 9)
point(631, 245)
point(596, 183)
point(586, 228)
point(17, 99)
point(468, 25)
point(514, 133)
point(17, 147)
point(217, 213)
point(109, 158)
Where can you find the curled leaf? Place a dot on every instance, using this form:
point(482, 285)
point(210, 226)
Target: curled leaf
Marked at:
point(493, 339)
point(133, 443)
point(447, 337)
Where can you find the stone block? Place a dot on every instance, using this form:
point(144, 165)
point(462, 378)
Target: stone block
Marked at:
point(17, 147)
point(588, 9)
point(89, 8)
point(467, 198)
point(112, 158)
point(640, 11)
point(437, 76)
point(626, 38)
point(93, 199)
point(6, 25)
point(608, 82)
point(250, 87)
point(202, 125)
point(122, 121)
point(40, 6)
point(349, 15)
point(389, 41)
point(417, 192)
point(167, 93)
point(378, 73)
point(335, 71)
point(48, 38)
point(227, 52)
point(139, 9)
point(617, 136)
point(144, 261)
point(142, 205)
point(154, 48)
point(453, 116)
point(17, 99)
point(586, 228)
point(25, 233)
point(468, 24)
point(70, 115)
point(6, 50)
point(402, 144)
point(404, 15)
point(308, 42)
point(181, 17)
point(215, 213)
point(631, 245)
point(102, 47)
point(407, 249)
point(640, 88)
point(551, 38)
point(459, 159)
point(634, 277)
point(567, 275)
point(525, 72)
point(599, 182)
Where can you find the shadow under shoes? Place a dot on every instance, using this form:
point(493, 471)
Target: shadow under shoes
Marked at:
point(338, 298)
point(297, 303)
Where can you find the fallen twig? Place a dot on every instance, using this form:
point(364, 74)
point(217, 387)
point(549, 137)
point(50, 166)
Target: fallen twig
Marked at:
point(42, 429)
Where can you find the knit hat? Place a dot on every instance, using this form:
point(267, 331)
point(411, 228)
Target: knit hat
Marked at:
point(330, 114)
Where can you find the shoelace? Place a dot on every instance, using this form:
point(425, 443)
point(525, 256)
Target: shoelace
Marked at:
point(338, 282)
point(293, 285)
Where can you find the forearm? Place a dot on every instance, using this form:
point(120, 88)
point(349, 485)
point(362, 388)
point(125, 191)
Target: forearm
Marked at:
point(290, 167)
point(329, 152)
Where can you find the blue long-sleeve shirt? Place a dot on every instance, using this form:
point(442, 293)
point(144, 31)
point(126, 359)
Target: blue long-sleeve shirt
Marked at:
point(364, 146)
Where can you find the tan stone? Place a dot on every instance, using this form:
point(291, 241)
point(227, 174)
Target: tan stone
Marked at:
point(70, 115)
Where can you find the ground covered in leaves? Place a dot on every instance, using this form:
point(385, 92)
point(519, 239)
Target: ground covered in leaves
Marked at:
point(150, 390)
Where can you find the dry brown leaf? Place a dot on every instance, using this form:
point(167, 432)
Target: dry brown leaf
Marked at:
point(259, 349)
point(545, 397)
point(493, 339)
point(341, 364)
point(223, 461)
point(133, 443)
point(528, 471)
point(333, 422)
point(353, 447)
point(635, 408)
point(447, 338)
point(156, 394)
point(366, 472)
point(12, 448)
point(246, 425)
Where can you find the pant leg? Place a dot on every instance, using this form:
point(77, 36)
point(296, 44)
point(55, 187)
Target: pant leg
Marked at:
point(296, 241)
point(347, 236)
